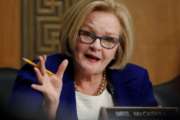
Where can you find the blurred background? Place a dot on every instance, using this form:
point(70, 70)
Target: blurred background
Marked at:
point(30, 27)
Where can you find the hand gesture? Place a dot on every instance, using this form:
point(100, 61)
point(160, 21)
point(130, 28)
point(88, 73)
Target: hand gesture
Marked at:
point(50, 86)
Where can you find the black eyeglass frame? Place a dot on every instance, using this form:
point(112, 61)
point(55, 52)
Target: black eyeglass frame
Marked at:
point(94, 37)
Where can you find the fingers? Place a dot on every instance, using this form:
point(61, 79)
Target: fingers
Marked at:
point(38, 74)
point(37, 87)
point(62, 67)
point(42, 64)
point(40, 71)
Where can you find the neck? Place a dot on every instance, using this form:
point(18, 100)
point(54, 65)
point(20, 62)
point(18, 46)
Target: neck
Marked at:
point(90, 84)
point(86, 78)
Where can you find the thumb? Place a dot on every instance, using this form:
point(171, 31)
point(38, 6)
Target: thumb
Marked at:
point(61, 69)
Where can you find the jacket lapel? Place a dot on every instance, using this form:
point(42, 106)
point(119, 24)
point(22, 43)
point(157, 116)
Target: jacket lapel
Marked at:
point(67, 107)
point(118, 86)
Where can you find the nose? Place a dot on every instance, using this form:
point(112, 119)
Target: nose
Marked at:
point(96, 44)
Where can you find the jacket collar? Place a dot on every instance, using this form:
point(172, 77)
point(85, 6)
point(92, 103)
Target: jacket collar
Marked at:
point(68, 101)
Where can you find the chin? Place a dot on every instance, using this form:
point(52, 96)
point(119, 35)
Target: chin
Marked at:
point(93, 70)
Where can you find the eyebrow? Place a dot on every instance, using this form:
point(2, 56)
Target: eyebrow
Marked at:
point(89, 28)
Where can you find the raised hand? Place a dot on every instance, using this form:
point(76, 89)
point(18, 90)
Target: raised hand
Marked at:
point(50, 86)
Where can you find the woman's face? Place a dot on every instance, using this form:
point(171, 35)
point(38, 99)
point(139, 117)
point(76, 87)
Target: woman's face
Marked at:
point(93, 58)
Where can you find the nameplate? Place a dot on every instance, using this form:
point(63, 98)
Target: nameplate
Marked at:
point(139, 113)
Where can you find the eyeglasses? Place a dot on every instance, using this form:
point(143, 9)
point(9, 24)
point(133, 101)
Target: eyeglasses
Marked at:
point(105, 41)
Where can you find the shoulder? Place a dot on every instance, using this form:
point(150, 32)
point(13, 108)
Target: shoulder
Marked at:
point(129, 71)
point(131, 75)
point(133, 67)
point(133, 82)
point(133, 70)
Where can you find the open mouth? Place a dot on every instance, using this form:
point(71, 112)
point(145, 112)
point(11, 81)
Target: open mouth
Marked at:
point(92, 57)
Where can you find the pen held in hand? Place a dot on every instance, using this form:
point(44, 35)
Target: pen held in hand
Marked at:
point(35, 65)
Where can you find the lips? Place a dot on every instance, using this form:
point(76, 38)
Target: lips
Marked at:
point(92, 57)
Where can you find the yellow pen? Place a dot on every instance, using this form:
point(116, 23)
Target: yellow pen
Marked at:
point(35, 65)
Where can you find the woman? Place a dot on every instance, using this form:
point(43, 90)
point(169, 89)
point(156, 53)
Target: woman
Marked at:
point(91, 71)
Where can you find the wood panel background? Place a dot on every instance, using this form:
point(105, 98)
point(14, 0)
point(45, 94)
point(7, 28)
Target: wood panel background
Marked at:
point(41, 22)
point(10, 44)
point(157, 38)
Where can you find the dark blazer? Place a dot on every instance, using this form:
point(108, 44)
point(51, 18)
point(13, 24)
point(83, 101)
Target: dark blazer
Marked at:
point(129, 87)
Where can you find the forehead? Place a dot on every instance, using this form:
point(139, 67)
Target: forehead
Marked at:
point(103, 22)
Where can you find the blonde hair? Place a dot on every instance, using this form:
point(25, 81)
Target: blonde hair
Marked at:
point(75, 16)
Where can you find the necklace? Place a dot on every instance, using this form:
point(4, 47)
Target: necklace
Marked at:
point(101, 87)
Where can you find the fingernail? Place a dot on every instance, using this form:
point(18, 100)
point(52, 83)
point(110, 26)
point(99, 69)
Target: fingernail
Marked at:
point(65, 61)
point(35, 69)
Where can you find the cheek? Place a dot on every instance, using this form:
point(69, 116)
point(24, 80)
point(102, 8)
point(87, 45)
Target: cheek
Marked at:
point(110, 55)
point(79, 49)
